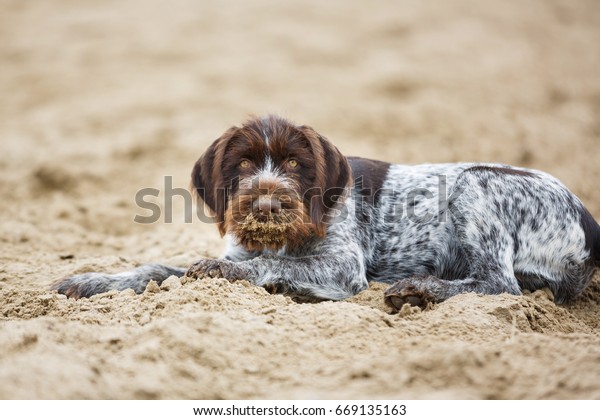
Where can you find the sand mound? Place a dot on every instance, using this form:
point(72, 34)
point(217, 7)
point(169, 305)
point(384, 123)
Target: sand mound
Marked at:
point(199, 338)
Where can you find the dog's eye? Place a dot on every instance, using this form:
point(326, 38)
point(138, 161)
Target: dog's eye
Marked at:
point(292, 163)
point(244, 164)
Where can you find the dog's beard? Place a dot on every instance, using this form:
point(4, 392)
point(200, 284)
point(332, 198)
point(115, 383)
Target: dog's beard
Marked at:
point(289, 228)
point(271, 233)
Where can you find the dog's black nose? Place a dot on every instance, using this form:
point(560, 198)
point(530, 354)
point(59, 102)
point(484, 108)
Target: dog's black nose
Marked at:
point(265, 207)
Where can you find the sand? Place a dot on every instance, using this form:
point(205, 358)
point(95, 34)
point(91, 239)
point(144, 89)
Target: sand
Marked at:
point(101, 99)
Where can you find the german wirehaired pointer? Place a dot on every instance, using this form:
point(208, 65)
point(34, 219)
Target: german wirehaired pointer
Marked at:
point(304, 220)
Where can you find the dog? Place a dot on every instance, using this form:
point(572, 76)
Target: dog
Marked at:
point(302, 219)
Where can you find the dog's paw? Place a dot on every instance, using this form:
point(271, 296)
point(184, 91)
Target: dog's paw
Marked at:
point(83, 285)
point(408, 291)
point(217, 269)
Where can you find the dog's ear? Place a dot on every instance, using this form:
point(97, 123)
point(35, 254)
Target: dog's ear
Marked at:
point(207, 179)
point(333, 179)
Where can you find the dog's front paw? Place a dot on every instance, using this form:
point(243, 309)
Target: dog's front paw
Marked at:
point(412, 291)
point(217, 269)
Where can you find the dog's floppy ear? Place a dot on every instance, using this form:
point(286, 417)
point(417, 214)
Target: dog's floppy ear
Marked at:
point(333, 178)
point(207, 178)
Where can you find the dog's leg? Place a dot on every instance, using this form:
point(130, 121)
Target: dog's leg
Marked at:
point(88, 284)
point(490, 272)
point(322, 269)
point(323, 276)
point(332, 277)
point(418, 291)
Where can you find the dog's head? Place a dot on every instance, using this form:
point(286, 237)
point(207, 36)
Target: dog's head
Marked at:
point(271, 183)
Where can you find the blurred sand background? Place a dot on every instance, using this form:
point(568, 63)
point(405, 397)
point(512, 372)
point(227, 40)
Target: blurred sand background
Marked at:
point(99, 99)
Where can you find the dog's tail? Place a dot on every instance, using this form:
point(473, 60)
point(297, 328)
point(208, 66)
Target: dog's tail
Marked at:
point(89, 284)
point(591, 229)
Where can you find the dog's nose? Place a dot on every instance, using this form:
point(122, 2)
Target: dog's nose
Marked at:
point(265, 207)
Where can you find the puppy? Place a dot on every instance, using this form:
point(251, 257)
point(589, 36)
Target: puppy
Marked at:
point(302, 219)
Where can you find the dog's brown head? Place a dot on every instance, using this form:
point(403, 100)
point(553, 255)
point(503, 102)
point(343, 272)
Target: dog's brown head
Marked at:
point(271, 183)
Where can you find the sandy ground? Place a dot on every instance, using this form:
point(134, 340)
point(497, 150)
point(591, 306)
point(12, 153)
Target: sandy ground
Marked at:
point(100, 99)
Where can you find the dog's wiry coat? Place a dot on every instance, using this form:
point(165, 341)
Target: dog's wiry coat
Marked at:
point(433, 230)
